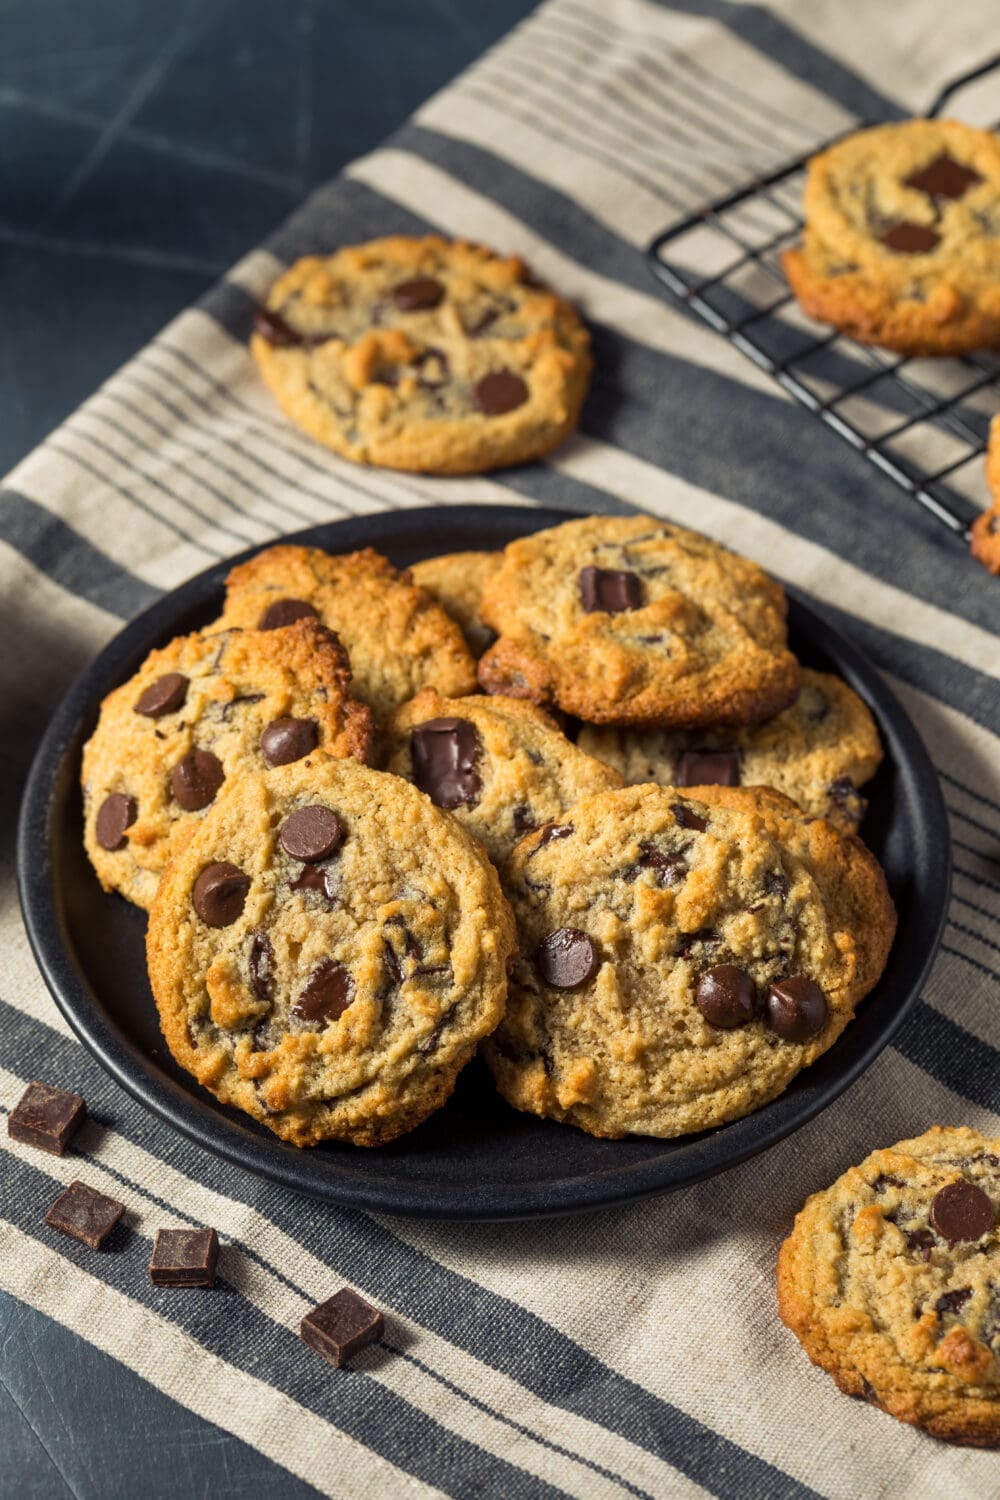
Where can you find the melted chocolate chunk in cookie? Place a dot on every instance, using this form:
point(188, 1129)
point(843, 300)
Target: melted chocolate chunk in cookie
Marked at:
point(165, 696)
point(961, 1211)
point(285, 740)
point(220, 894)
point(669, 869)
point(567, 958)
point(196, 779)
point(910, 239)
point(285, 612)
point(117, 813)
point(500, 392)
point(418, 295)
point(272, 327)
point(726, 997)
point(944, 177)
point(687, 818)
point(311, 834)
point(708, 768)
point(327, 993)
point(796, 1009)
point(609, 591)
point(261, 967)
point(445, 753)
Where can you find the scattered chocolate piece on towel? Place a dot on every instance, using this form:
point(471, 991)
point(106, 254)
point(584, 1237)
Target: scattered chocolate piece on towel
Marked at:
point(84, 1214)
point(341, 1327)
point(46, 1117)
point(184, 1257)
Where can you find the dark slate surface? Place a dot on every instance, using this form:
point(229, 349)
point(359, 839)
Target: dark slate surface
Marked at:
point(144, 146)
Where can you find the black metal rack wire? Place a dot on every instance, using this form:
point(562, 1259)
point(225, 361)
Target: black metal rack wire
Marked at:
point(923, 422)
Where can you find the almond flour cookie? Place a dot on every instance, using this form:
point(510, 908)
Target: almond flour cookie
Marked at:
point(891, 1282)
point(203, 710)
point(629, 620)
point(682, 956)
point(986, 528)
point(398, 639)
point(500, 765)
point(457, 582)
point(818, 752)
point(902, 238)
point(427, 354)
point(327, 950)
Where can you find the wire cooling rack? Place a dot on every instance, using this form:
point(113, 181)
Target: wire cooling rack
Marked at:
point(924, 422)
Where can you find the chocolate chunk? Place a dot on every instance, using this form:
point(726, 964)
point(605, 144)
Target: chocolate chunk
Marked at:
point(46, 1118)
point(952, 1302)
point(567, 958)
point(796, 1009)
point(195, 780)
point(285, 612)
point(884, 1180)
point(272, 327)
point(312, 878)
point(484, 321)
point(327, 994)
point(921, 1240)
point(961, 1211)
point(444, 754)
point(910, 239)
point(261, 967)
point(433, 369)
point(311, 833)
point(776, 884)
point(708, 768)
point(341, 1327)
point(686, 818)
point(414, 296)
point(220, 894)
point(726, 997)
point(944, 177)
point(704, 937)
point(184, 1257)
point(670, 869)
point(523, 821)
point(165, 696)
point(500, 392)
point(609, 590)
point(116, 813)
point(84, 1214)
point(285, 740)
point(550, 832)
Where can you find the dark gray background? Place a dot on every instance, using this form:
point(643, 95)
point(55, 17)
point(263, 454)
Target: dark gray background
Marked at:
point(144, 146)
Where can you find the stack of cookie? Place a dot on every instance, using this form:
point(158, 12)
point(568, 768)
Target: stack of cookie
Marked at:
point(630, 863)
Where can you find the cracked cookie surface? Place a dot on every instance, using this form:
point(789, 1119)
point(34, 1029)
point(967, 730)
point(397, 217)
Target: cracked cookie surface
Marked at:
point(630, 620)
point(890, 1279)
point(327, 950)
point(682, 956)
point(198, 713)
point(432, 355)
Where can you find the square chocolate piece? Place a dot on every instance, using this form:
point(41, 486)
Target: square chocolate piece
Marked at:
point(84, 1214)
point(46, 1118)
point(184, 1257)
point(341, 1326)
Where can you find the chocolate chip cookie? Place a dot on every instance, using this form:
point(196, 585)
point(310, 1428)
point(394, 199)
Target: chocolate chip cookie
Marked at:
point(397, 637)
point(682, 956)
point(502, 766)
point(986, 528)
point(891, 1282)
point(457, 582)
point(327, 950)
point(198, 713)
point(818, 752)
point(629, 620)
point(902, 238)
point(432, 355)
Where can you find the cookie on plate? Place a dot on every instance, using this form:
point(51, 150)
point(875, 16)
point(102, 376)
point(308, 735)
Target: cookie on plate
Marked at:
point(629, 620)
point(432, 355)
point(327, 950)
point(457, 581)
point(501, 765)
point(986, 528)
point(818, 752)
point(890, 1282)
point(682, 956)
point(198, 713)
point(900, 245)
point(397, 637)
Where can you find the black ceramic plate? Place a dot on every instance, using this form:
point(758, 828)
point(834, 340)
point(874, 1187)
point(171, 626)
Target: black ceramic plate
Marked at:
point(476, 1158)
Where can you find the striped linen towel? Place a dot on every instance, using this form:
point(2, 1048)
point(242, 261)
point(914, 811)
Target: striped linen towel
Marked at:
point(634, 1352)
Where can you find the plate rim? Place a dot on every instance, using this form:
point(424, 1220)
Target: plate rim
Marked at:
point(345, 1183)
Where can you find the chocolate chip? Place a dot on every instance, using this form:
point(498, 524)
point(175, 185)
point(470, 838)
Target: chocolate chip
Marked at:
point(567, 958)
point(884, 1180)
point(261, 967)
point(184, 1257)
point(46, 1118)
point(921, 1240)
point(961, 1211)
point(312, 878)
point(444, 754)
point(796, 1009)
point(952, 1302)
point(195, 780)
point(414, 296)
point(84, 1214)
point(500, 392)
point(549, 833)
point(523, 821)
point(311, 833)
point(670, 869)
point(327, 993)
point(165, 696)
point(726, 997)
point(285, 612)
point(609, 590)
point(341, 1327)
point(220, 894)
point(116, 813)
point(485, 319)
point(272, 327)
point(688, 819)
point(704, 937)
point(944, 177)
point(910, 239)
point(708, 768)
point(425, 361)
point(286, 740)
